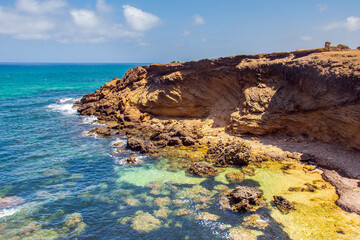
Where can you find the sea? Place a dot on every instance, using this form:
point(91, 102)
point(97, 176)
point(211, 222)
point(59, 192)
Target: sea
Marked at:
point(74, 185)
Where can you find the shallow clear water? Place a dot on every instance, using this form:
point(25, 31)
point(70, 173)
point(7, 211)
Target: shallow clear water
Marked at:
point(48, 159)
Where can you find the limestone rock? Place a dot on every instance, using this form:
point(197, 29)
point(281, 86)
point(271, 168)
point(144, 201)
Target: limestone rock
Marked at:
point(245, 198)
point(142, 146)
point(145, 222)
point(202, 169)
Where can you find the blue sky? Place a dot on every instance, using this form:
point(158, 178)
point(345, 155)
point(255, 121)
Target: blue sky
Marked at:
point(165, 30)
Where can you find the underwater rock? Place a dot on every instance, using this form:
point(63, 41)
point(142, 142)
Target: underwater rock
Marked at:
point(250, 171)
point(245, 198)
point(145, 222)
point(8, 202)
point(255, 221)
point(73, 220)
point(195, 193)
point(3, 227)
point(235, 177)
point(207, 217)
point(283, 205)
point(239, 233)
point(132, 202)
point(162, 212)
point(155, 187)
point(202, 169)
point(124, 220)
point(31, 227)
point(142, 146)
point(182, 212)
point(221, 188)
point(162, 201)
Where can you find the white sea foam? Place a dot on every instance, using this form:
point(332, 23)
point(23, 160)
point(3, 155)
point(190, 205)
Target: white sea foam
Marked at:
point(64, 106)
point(64, 100)
point(121, 160)
point(89, 120)
point(9, 212)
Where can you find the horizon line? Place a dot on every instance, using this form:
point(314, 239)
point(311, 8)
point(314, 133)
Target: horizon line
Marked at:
point(75, 63)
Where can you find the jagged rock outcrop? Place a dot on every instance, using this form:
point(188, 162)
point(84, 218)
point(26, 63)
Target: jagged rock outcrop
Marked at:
point(314, 93)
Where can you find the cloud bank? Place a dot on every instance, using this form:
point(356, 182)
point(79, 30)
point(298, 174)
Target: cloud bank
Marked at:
point(56, 20)
point(351, 24)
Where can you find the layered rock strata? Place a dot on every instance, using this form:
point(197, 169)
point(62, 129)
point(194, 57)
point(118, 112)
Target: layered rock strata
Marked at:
point(308, 93)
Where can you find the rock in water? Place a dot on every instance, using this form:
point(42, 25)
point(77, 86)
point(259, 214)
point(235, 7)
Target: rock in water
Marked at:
point(202, 169)
point(145, 222)
point(142, 146)
point(231, 153)
point(283, 205)
point(235, 177)
point(73, 220)
point(133, 160)
point(245, 198)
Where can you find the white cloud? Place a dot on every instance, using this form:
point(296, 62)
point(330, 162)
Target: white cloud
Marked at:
point(102, 6)
point(54, 20)
point(306, 38)
point(186, 33)
point(37, 7)
point(84, 18)
point(21, 26)
point(198, 20)
point(140, 20)
point(322, 7)
point(351, 24)
point(204, 40)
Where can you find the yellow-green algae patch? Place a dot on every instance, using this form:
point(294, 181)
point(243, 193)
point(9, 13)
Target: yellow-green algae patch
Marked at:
point(142, 176)
point(316, 215)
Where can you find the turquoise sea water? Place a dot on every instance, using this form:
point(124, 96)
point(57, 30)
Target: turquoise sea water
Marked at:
point(74, 185)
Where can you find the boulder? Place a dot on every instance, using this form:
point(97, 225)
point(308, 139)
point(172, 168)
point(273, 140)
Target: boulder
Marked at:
point(231, 153)
point(140, 145)
point(202, 169)
point(245, 198)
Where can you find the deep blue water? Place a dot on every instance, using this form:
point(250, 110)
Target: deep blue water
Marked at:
point(48, 159)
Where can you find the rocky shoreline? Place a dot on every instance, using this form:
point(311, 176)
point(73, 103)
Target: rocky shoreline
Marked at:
point(219, 111)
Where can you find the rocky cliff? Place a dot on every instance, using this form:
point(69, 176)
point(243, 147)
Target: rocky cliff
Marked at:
point(312, 93)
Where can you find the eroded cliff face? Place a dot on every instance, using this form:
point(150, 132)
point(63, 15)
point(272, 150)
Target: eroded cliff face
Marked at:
point(311, 93)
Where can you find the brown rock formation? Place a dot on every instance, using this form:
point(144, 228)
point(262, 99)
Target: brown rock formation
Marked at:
point(307, 92)
point(203, 169)
point(245, 198)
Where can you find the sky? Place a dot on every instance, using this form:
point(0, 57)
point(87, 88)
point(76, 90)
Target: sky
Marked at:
point(148, 31)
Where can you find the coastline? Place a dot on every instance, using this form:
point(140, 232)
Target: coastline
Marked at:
point(192, 112)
